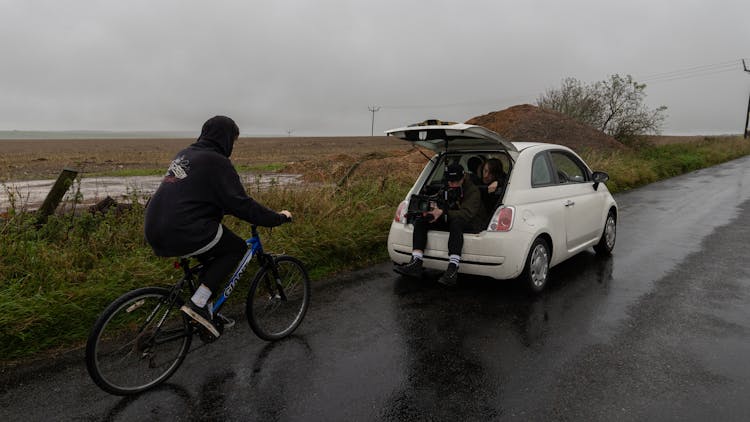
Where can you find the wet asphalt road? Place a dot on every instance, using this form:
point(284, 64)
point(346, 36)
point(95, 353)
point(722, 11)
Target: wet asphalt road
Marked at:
point(660, 331)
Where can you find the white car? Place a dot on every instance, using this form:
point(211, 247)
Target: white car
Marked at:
point(554, 205)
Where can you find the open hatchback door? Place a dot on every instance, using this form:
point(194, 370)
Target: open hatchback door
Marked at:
point(447, 136)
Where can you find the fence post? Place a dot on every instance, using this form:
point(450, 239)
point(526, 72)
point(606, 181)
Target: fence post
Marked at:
point(55, 195)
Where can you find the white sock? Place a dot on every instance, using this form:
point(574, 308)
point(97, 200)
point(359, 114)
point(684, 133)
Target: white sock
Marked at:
point(417, 255)
point(455, 259)
point(201, 296)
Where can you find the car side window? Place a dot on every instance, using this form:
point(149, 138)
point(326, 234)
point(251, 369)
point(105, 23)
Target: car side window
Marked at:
point(540, 171)
point(568, 168)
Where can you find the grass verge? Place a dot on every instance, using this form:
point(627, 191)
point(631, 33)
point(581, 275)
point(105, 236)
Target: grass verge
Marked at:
point(54, 281)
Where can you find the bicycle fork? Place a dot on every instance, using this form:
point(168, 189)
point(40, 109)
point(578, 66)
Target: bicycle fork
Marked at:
point(275, 288)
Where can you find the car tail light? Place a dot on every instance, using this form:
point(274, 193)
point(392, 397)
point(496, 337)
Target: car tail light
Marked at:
point(502, 220)
point(400, 216)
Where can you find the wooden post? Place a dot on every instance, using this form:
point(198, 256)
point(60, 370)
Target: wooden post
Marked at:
point(55, 195)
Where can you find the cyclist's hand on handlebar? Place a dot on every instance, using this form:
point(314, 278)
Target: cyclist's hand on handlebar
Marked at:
point(287, 214)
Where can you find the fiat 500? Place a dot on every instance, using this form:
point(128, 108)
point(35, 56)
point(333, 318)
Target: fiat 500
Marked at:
point(553, 206)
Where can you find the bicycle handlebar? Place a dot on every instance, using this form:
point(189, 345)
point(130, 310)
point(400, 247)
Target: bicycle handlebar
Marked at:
point(254, 227)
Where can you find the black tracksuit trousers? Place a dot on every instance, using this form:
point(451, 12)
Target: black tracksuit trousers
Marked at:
point(221, 260)
point(456, 228)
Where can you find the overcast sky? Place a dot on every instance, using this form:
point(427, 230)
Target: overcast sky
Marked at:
point(315, 66)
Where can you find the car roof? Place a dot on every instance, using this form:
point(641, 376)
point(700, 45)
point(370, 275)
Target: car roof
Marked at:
point(449, 136)
point(520, 146)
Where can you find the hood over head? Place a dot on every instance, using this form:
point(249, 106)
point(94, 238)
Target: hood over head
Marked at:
point(220, 131)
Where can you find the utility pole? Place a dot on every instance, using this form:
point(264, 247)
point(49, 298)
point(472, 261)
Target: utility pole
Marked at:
point(747, 117)
point(373, 109)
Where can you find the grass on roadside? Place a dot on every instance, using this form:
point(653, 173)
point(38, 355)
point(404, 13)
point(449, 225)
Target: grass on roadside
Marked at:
point(649, 163)
point(54, 281)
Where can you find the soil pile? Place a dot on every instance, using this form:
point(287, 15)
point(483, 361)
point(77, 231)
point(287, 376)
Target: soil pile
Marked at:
point(527, 123)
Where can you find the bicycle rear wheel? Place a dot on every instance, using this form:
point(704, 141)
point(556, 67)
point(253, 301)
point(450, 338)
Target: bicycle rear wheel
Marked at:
point(137, 342)
point(275, 308)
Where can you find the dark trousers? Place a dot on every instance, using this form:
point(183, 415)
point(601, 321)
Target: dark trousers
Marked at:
point(456, 228)
point(221, 260)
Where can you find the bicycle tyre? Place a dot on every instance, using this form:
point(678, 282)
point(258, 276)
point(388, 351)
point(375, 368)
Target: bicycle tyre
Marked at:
point(271, 316)
point(123, 351)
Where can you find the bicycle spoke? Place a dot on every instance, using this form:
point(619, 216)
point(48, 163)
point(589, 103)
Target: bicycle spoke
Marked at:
point(137, 342)
point(277, 303)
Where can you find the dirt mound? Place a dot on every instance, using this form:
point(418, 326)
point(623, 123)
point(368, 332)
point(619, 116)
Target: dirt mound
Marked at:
point(527, 123)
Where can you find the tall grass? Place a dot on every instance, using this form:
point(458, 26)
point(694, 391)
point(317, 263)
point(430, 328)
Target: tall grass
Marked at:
point(649, 163)
point(56, 279)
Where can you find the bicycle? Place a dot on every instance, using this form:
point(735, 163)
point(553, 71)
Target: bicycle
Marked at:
point(142, 337)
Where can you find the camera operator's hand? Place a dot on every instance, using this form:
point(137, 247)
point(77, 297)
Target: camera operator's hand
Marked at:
point(436, 213)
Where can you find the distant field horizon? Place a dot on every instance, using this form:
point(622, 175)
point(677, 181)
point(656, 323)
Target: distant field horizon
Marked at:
point(144, 134)
point(107, 134)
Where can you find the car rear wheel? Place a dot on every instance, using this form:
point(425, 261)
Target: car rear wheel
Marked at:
point(609, 235)
point(536, 271)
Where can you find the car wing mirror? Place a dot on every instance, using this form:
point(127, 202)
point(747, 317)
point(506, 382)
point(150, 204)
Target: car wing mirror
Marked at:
point(599, 177)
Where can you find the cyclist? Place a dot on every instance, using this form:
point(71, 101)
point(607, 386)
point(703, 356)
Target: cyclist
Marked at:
point(183, 217)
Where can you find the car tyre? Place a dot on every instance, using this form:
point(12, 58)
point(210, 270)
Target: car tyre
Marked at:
point(536, 270)
point(609, 236)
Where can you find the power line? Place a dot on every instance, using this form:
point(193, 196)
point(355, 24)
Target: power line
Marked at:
point(695, 72)
point(667, 76)
point(688, 70)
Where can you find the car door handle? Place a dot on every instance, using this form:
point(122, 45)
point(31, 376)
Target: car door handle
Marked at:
point(569, 203)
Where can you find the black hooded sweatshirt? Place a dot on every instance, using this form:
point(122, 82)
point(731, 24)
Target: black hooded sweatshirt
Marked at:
point(200, 186)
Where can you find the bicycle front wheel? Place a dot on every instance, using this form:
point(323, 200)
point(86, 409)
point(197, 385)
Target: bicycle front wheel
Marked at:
point(137, 342)
point(276, 306)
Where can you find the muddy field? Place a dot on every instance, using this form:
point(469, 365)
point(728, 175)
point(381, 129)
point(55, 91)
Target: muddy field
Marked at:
point(43, 159)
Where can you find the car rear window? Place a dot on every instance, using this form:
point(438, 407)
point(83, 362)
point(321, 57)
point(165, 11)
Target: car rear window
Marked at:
point(468, 161)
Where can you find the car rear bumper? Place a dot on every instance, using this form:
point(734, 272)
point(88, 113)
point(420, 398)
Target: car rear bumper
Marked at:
point(492, 254)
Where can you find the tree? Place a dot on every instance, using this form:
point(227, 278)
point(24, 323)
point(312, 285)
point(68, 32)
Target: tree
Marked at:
point(614, 106)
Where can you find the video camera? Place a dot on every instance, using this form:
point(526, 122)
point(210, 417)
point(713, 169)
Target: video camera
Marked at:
point(419, 204)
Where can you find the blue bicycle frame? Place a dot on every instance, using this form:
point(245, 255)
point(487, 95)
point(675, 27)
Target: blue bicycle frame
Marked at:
point(254, 248)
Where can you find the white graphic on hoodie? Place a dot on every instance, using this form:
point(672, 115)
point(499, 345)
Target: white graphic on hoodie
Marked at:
point(179, 167)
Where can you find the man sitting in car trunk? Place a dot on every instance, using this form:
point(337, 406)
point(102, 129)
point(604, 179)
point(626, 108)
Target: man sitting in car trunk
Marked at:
point(462, 213)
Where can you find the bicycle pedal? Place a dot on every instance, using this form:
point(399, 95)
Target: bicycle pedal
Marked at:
point(225, 320)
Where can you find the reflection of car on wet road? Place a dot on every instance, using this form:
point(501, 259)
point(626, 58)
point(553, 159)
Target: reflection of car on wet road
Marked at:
point(554, 206)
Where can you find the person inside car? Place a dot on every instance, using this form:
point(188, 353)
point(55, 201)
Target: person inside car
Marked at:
point(474, 166)
point(493, 184)
point(183, 217)
point(462, 212)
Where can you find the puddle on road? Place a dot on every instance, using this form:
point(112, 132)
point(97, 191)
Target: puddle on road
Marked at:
point(30, 194)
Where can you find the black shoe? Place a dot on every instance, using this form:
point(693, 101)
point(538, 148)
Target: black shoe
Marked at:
point(450, 276)
point(200, 315)
point(411, 269)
